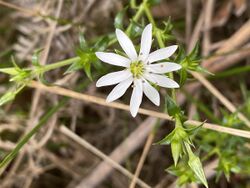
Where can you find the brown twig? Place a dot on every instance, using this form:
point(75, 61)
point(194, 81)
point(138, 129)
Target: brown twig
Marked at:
point(188, 20)
point(207, 26)
point(220, 97)
point(97, 100)
point(114, 159)
point(142, 158)
point(18, 8)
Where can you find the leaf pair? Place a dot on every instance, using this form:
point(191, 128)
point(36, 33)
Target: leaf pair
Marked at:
point(190, 62)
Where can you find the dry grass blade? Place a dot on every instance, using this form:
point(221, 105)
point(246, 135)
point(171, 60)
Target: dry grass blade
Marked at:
point(97, 152)
point(142, 159)
point(97, 100)
point(220, 97)
point(15, 7)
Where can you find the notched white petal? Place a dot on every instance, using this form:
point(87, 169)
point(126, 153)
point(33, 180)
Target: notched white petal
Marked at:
point(164, 67)
point(146, 41)
point(136, 97)
point(162, 53)
point(161, 80)
point(113, 78)
point(126, 44)
point(113, 59)
point(119, 90)
point(151, 93)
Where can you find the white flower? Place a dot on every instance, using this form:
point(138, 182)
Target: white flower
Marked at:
point(139, 70)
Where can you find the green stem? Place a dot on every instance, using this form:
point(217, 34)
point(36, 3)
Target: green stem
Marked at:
point(231, 72)
point(161, 45)
point(59, 64)
point(27, 137)
point(135, 18)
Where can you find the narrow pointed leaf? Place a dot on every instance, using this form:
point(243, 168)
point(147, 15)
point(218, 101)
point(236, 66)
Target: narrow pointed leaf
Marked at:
point(195, 164)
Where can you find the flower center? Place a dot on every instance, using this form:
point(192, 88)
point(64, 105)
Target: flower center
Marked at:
point(137, 68)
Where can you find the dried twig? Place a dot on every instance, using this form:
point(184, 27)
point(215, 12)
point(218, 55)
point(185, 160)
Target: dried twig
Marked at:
point(142, 158)
point(220, 97)
point(207, 26)
point(114, 159)
point(97, 100)
point(188, 20)
point(18, 8)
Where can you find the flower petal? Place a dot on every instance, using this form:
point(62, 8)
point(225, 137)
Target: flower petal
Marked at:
point(113, 59)
point(126, 44)
point(136, 97)
point(163, 67)
point(162, 53)
point(146, 41)
point(119, 90)
point(113, 78)
point(151, 93)
point(161, 80)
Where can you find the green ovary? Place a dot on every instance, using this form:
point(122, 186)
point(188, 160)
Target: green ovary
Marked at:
point(137, 69)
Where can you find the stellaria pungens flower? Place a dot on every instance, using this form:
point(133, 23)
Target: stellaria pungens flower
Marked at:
point(141, 70)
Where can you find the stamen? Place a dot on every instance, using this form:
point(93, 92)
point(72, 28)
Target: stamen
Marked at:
point(137, 69)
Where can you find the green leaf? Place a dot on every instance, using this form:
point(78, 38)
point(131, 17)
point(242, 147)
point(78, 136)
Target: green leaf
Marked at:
point(136, 29)
point(118, 23)
point(195, 164)
point(35, 57)
point(195, 52)
point(14, 63)
point(22, 76)
point(153, 2)
point(203, 70)
point(176, 148)
point(171, 106)
point(42, 79)
point(183, 76)
point(193, 130)
point(82, 41)
point(183, 172)
point(11, 71)
point(167, 140)
point(168, 26)
point(87, 69)
point(181, 54)
point(84, 63)
point(101, 44)
point(9, 96)
point(74, 67)
point(120, 52)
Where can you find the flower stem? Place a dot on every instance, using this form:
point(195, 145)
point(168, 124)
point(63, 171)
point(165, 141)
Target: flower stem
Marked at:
point(135, 18)
point(59, 64)
point(160, 42)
